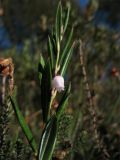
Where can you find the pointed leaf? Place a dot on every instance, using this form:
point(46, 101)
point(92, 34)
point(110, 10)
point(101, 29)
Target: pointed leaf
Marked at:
point(51, 52)
point(42, 62)
point(66, 61)
point(46, 90)
point(66, 18)
point(63, 102)
point(48, 140)
point(67, 47)
point(58, 22)
point(54, 44)
point(41, 67)
point(23, 124)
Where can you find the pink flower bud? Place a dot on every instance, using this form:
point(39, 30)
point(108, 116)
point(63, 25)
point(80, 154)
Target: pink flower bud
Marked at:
point(58, 83)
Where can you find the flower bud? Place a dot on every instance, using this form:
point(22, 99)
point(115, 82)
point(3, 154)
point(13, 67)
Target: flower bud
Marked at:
point(58, 83)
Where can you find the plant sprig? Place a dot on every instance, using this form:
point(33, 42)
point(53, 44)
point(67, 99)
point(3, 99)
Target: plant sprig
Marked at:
point(59, 58)
point(56, 64)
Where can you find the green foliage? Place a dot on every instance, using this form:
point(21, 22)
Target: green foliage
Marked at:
point(10, 149)
point(51, 69)
point(62, 104)
point(47, 70)
point(23, 124)
point(75, 134)
point(48, 139)
point(46, 91)
point(66, 61)
point(54, 66)
point(41, 66)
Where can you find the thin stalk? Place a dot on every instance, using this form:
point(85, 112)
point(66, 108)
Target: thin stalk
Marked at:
point(91, 106)
point(57, 67)
point(54, 92)
point(3, 88)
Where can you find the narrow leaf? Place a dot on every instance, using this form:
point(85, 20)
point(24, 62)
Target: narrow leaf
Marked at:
point(66, 19)
point(58, 22)
point(63, 102)
point(54, 44)
point(48, 140)
point(46, 90)
point(61, 24)
point(42, 62)
point(66, 61)
point(23, 124)
point(41, 67)
point(50, 49)
point(67, 47)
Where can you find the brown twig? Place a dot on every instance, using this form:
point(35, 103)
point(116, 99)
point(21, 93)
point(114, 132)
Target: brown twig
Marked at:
point(3, 89)
point(91, 106)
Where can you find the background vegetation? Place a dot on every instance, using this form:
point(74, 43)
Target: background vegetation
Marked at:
point(28, 24)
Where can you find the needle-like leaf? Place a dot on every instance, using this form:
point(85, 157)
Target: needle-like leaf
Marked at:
point(67, 47)
point(66, 61)
point(66, 18)
point(58, 22)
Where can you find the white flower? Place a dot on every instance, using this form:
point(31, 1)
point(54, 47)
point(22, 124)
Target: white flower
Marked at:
point(58, 83)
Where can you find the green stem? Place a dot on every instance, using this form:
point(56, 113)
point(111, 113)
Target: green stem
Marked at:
point(54, 92)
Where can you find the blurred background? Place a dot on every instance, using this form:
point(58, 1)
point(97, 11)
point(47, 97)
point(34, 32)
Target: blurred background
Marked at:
point(24, 29)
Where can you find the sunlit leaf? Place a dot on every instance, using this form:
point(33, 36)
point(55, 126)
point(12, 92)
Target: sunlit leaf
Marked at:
point(48, 140)
point(66, 19)
point(58, 22)
point(67, 47)
point(66, 61)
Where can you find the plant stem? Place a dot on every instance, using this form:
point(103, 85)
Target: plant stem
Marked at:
point(54, 92)
point(3, 88)
point(91, 106)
